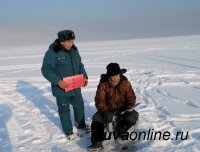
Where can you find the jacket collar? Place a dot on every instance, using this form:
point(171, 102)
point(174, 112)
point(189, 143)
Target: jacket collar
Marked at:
point(105, 78)
point(56, 46)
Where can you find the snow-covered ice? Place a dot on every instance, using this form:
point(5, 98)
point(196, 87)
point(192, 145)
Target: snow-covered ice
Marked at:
point(165, 74)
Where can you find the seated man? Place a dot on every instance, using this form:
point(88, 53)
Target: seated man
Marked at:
point(114, 95)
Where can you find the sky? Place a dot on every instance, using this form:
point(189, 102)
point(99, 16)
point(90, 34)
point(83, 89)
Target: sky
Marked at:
point(38, 21)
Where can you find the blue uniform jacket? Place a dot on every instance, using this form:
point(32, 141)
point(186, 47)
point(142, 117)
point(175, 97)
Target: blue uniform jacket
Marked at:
point(59, 63)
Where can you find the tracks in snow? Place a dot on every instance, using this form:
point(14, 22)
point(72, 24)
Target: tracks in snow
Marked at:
point(34, 122)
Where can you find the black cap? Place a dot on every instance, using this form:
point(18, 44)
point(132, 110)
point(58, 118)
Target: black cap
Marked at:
point(66, 35)
point(114, 69)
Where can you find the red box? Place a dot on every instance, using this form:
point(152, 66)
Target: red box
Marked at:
point(74, 82)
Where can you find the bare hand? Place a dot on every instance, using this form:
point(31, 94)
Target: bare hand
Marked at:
point(86, 82)
point(62, 85)
point(130, 110)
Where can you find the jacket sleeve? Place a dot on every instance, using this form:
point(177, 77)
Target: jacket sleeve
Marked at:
point(100, 98)
point(48, 68)
point(81, 67)
point(130, 96)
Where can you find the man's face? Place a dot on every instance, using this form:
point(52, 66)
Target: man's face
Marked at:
point(115, 78)
point(67, 44)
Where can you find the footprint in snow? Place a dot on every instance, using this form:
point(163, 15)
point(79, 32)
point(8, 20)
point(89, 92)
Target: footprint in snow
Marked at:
point(189, 103)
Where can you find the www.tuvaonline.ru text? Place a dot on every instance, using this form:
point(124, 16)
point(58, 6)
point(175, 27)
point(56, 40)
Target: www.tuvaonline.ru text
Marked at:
point(150, 134)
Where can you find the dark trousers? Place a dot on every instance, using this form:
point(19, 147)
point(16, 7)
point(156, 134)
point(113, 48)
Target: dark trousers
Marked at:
point(64, 112)
point(124, 123)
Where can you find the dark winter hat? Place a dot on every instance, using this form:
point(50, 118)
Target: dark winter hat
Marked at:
point(66, 35)
point(114, 69)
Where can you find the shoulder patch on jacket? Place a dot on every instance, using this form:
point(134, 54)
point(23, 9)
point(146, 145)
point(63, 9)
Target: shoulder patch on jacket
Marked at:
point(61, 58)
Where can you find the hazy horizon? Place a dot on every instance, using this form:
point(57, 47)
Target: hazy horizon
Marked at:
point(37, 22)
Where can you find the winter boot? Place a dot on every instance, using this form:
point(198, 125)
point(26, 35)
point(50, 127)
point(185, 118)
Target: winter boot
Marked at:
point(97, 146)
point(71, 136)
point(85, 128)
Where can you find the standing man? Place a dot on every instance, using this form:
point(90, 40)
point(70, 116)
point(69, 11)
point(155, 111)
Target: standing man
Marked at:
point(114, 95)
point(61, 60)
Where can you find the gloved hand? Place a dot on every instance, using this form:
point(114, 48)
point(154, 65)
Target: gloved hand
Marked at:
point(107, 116)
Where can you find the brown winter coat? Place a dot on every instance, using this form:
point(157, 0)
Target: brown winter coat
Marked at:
point(109, 97)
